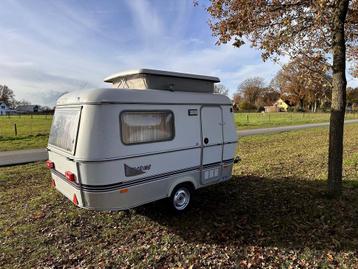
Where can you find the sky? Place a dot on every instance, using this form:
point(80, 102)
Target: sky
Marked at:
point(51, 47)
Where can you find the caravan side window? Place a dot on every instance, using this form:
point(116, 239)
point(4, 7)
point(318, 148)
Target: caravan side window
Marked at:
point(146, 126)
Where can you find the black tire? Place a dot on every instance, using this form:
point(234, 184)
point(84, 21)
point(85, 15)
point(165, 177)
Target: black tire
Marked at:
point(180, 198)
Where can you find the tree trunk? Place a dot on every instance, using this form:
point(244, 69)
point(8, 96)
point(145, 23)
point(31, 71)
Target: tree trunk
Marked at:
point(301, 104)
point(335, 155)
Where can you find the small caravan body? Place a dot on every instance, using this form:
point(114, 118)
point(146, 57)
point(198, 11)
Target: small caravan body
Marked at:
point(114, 149)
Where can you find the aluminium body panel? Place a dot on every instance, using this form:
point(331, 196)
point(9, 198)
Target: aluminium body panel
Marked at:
point(101, 137)
point(133, 96)
point(212, 134)
point(116, 198)
point(112, 172)
point(230, 133)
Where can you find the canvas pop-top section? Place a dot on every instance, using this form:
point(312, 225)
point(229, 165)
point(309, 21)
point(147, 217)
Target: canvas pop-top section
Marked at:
point(142, 79)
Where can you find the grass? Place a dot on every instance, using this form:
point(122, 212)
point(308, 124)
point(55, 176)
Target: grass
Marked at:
point(263, 120)
point(273, 214)
point(23, 142)
point(26, 125)
point(32, 131)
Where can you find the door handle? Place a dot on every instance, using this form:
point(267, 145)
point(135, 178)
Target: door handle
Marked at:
point(206, 140)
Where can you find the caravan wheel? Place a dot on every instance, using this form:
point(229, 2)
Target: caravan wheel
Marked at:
point(180, 198)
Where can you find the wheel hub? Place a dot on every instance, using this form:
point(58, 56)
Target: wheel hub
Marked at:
point(181, 199)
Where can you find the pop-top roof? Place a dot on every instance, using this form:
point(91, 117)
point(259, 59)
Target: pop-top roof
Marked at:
point(142, 79)
point(127, 73)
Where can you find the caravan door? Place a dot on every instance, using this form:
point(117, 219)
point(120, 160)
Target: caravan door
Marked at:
point(212, 143)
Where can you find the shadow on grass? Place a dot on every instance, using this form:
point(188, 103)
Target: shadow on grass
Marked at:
point(286, 212)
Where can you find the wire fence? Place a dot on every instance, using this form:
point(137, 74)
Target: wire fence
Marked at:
point(21, 125)
point(252, 120)
point(25, 125)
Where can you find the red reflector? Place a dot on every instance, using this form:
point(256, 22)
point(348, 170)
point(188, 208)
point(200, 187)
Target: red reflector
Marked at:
point(53, 183)
point(75, 201)
point(70, 176)
point(50, 165)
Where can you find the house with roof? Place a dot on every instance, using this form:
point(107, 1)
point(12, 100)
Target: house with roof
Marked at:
point(278, 106)
point(4, 109)
point(23, 109)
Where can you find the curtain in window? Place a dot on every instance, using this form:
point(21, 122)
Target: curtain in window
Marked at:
point(144, 127)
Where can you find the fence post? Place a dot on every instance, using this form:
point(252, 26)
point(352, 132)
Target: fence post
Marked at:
point(15, 128)
point(247, 117)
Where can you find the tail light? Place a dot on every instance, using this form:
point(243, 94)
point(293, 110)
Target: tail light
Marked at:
point(74, 200)
point(70, 176)
point(50, 165)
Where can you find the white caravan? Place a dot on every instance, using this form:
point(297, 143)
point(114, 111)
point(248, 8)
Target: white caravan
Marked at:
point(118, 148)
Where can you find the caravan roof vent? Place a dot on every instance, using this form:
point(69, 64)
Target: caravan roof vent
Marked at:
point(162, 80)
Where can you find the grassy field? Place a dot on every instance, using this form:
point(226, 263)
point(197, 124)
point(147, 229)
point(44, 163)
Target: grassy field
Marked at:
point(26, 125)
point(262, 120)
point(273, 214)
point(32, 131)
point(23, 142)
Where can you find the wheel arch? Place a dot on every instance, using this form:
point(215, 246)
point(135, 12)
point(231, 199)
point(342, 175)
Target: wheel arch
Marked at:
point(183, 181)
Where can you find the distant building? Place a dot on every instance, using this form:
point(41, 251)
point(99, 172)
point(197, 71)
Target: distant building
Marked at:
point(4, 109)
point(269, 109)
point(278, 106)
point(354, 107)
point(281, 105)
point(27, 109)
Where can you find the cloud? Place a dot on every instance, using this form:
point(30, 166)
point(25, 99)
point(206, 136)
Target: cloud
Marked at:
point(231, 64)
point(37, 85)
point(50, 97)
point(50, 48)
point(27, 72)
point(145, 19)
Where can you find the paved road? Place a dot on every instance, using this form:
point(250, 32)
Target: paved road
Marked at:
point(286, 128)
point(34, 155)
point(22, 156)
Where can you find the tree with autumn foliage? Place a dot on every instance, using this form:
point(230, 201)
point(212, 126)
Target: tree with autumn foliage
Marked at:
point(7, 95)
point(251, 89)
point(304, 85)
point(295, 28)
point(221, 89)
point(352, 96)
point(254, 95)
